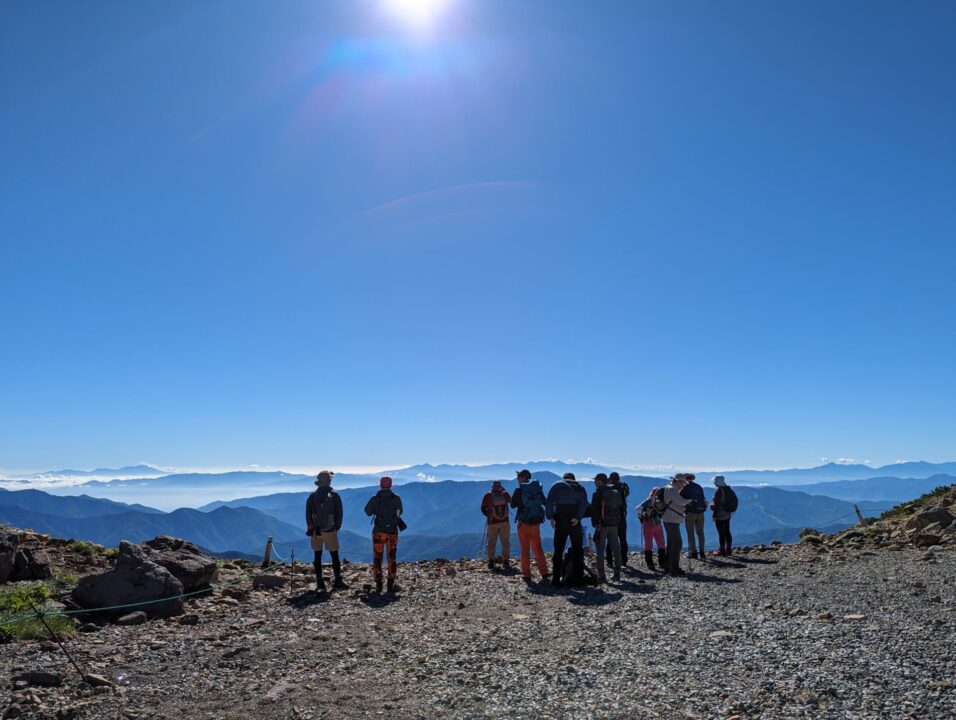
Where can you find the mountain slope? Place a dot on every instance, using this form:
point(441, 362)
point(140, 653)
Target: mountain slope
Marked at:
point(76, 506)
point(893, 489)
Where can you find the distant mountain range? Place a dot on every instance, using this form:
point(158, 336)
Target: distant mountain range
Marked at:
point(141, 470)
point(876, 488)
point(834, 472)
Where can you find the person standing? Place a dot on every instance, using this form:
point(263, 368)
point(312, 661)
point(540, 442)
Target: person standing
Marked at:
point(606, 510)
point(653, 531)
point(528, 500)
point(724, 506)
point(671, 505)
point(323, 519)
point(565, 507)
point(494, 506)
point(625, 491)
point(694, 516)
point(385, 507)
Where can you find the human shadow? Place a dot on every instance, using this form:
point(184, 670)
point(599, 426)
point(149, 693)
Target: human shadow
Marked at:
point(592, 596)
point(380, 600)
point(725, 563)
point(698, 576)
point(306, 599)
point(753, 561)
point(634, 587)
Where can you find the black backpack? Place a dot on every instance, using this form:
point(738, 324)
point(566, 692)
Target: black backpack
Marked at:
point(613, 506)
point(386, 514)
point(323, 510)
point(729, 501)
point(698, 503)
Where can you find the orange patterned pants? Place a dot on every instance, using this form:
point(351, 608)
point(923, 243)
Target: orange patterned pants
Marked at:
point(381, 543)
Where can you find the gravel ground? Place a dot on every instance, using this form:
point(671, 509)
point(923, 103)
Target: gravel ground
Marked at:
point(791, 632)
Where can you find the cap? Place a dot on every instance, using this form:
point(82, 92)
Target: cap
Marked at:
point(524, 473)
point(324, 478)
point(569, 476)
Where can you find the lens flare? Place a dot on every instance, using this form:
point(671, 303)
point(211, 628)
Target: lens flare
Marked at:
point(418, 13)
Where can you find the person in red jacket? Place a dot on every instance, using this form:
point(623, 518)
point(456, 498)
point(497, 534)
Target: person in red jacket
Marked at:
point(495, 507)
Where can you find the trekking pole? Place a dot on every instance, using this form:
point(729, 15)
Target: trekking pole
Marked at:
point(57, 638)
point(291, 571)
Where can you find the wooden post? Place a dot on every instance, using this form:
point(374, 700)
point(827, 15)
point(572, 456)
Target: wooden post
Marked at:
point(859, 515)
point(268, 554)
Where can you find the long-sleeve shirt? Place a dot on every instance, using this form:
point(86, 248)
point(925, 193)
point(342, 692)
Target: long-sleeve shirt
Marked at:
point(312, 510)
point(382, 522)
point(675, 505)
point(565, 501)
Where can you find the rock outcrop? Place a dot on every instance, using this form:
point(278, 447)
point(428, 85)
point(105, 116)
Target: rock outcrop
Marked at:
point(135, 578)
point(9, 542)
point(184, 560)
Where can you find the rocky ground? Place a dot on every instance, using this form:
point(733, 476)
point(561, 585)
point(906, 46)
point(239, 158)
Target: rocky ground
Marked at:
point(855, 626)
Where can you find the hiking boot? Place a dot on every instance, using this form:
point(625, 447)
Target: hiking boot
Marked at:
point(602, 579)
point(378, 587)
point(526, 579)
point(506, 564)
point(677, 571)
point(662, 559)
point(320, 587)
point(339, 584)
point(649, 560)
point(617, 576)
point(491, 565)
point(392, 587)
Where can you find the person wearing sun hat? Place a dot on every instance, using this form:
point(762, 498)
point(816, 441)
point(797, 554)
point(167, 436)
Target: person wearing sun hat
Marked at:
point(673, 517)
point(386, 509)
point(323, 519)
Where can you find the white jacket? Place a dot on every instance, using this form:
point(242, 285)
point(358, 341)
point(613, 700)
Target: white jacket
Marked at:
point(675, 504)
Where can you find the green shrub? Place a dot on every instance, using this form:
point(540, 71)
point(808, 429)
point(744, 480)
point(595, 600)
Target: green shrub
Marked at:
point(910, 507)
point(15, 603)
point(86, 549)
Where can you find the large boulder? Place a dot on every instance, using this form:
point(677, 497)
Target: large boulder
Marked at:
point(184, 560)
point(934, 515)
point(31, 564)
point(134, 579)
point(9, 542)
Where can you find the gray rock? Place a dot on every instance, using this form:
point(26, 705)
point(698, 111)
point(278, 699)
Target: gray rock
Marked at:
point(9, 542)
point(40, 678)
point(133, 579)
point(267, 581)
point(184, 560)
point(133, 618)
point(934, 515)
point(31, 564)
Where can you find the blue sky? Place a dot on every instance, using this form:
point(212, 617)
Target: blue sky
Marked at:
point(712, 234)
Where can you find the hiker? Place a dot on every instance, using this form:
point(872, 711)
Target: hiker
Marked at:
point(565, 507)
point(653, 532)
point(528, 500)
point(323, 520)
point(724, 506)
point(386, 509)
point(494, 506)
point(607, 506)
point(623, 488)
point(694, 516)
point(670, 504)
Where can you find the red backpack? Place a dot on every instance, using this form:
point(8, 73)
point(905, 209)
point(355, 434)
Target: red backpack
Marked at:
point(499, 507)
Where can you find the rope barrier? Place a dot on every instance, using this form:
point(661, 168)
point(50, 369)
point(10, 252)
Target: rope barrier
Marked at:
point(85, 611)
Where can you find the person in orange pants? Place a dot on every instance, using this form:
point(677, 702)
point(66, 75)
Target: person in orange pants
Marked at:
point(529, 501)
point(386, 509)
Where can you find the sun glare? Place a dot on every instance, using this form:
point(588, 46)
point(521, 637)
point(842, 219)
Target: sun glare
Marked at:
point(419, 13)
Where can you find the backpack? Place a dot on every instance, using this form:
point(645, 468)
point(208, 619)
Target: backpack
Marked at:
point(499, 507)
point(323, 511)
point(728, 499)
point(576, 486)
point(647, 513)
point(658, 504)
point(532, 504)
point(386, 514)
point(575, 560)
point(613, 506)
point(698, 503)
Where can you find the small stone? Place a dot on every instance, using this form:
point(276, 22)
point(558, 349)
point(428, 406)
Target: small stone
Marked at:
point(721, 634)
point(97, 680)
point(854, 617)
point(190, 619)
point(825, 616)
point(133, 618)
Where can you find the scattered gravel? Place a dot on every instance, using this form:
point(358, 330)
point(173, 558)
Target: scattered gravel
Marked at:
point(804, 631)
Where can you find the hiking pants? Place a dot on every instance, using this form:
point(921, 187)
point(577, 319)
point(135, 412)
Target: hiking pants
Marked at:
point(653, 532)
point(563, 529)
point(694, 522)
point(529, 538)
point(723, 532)
point(674, 545)
point(384, 542)
point(499, 530)
point(608, 537)
point(621, 542)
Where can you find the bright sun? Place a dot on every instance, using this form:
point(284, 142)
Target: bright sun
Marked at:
point(420, 13)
